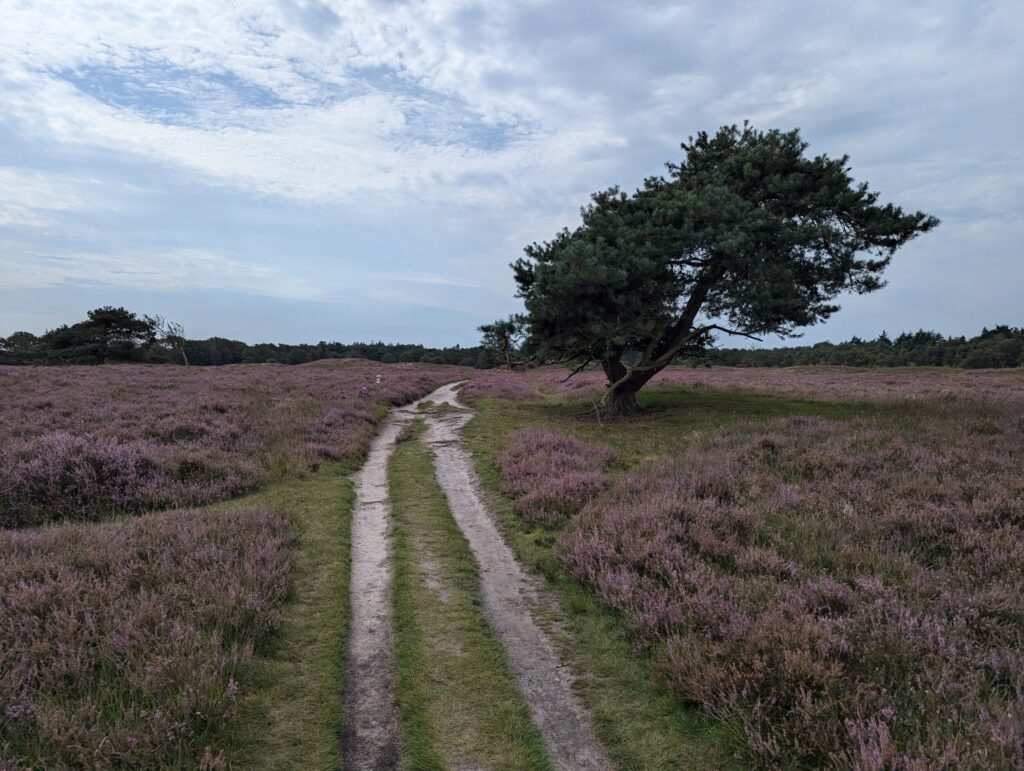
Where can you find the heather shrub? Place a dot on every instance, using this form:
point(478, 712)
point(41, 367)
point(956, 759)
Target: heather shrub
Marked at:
point(850, 593)
point(936, 388)
point(87, 442)
point(501, 384)
point(551, 476)
point(127, 644)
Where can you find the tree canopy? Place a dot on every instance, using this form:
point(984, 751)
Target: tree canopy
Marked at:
point(746, 235)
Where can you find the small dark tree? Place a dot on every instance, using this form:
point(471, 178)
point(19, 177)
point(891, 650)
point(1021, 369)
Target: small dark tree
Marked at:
point(502, 340)
point(745, 236)
point(21, 348)
point(172, 334)
point(108, 334)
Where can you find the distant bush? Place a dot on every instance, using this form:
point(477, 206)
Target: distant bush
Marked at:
point(89, 442)
point(128, 644)
point(868, 385)
point(999, 347)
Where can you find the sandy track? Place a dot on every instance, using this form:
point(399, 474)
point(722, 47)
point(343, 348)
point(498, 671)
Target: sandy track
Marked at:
point(508, 594)
point(370, 738)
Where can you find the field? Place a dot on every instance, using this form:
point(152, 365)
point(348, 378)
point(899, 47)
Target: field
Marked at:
point(829, 561)
point(190, 636)
point(767, 568)
point(84, 443)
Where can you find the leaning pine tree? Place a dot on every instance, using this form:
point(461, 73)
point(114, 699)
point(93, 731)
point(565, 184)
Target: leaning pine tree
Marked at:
point(746, 236)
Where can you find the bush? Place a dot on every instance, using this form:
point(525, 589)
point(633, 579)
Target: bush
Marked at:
point(551, 476)
point(127, 644)
point(850, 593)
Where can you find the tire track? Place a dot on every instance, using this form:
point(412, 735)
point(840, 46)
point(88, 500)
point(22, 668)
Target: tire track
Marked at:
point(508, 593)
point(370, 736)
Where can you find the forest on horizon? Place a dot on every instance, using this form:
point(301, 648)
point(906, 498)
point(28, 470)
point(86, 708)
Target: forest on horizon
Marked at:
point(119, 335)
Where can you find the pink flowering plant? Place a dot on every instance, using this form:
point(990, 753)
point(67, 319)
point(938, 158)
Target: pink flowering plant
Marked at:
point(846, 593)
point(87, 442)
point(551, 476)
point(124, 644)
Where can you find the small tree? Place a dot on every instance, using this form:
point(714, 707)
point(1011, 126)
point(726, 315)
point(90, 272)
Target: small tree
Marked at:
point(108, 334)
point(503, 340)
point(745, 236)
point(171, 334)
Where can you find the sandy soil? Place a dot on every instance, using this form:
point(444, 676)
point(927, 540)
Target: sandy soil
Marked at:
point(509, 592)
point(371, 738)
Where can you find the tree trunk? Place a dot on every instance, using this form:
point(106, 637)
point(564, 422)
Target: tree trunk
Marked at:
point(623, 404)
point(622, 401)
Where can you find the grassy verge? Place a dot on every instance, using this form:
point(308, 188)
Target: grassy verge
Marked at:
point(636, 717)
point(293, 712)
point(459, 703)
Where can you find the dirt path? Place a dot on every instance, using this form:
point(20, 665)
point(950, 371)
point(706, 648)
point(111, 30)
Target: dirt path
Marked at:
point(371, 734)
point(370, 739)
point(508, 593)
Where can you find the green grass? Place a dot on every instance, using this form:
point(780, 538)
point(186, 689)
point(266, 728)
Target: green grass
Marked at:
point(458, 701)
point(672, 417)
point(292, 713)
point(641, 723)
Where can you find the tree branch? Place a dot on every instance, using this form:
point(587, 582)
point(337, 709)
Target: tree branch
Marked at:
point(578, 370)
point(728, 331)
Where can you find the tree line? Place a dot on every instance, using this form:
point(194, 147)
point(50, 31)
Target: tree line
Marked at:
point(118, 335)
point(111, 334)
point(999, 347)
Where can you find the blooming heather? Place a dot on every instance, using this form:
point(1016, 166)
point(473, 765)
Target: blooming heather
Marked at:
point(551, 476)
point(850, 593)
point(86, 442)
point(127, 644)
point(887, 385)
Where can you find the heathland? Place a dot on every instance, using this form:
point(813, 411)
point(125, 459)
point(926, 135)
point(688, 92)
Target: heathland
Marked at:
point(793, 567)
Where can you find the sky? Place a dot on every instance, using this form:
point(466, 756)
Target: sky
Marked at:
point(307, 170)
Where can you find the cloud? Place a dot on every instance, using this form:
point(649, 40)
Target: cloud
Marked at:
point(316, 18)
point(476, 127)
point(176, 270)
point(429, 280)
point(30, 198)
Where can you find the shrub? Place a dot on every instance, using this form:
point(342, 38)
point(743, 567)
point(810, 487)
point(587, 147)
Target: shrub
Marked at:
point(127, 644)
point(87, 442)
point(551, 476)
point(850, 593)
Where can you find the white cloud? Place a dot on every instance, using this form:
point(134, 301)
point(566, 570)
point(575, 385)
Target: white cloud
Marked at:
point(29, 198)
point(502, 115)
point(429, 280)
point(174, 270)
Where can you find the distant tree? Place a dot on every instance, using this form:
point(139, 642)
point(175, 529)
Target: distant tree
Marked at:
point(745, 236)
point(172, 335)
point(20, 348)
point(108, 334)
point(502, 341)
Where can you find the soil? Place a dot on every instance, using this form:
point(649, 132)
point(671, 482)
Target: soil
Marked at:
point(509, 593)
point(371, 738)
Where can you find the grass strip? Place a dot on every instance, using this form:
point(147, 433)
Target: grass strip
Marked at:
point(292, 715)
point(458, 700)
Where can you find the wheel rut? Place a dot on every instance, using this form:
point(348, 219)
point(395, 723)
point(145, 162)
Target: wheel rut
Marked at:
point(371, 736)
point(509, 592)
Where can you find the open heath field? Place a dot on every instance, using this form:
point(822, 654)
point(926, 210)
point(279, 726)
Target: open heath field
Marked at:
point(827, 562)
point(87, 442)
point(167, 639)
point(765, 568)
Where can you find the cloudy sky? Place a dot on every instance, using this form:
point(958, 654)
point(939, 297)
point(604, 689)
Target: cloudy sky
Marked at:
point(365, 169)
